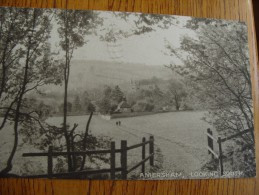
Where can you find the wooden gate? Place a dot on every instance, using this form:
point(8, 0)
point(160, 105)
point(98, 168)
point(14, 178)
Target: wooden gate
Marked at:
point(219, 142)
point(124, 169)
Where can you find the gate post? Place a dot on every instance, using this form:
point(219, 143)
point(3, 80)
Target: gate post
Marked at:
point(50, 162)
point(151, 150)
point(210, 142)
point(143, 154)
point(123, 159)
point(220, 157)
point(112, 160)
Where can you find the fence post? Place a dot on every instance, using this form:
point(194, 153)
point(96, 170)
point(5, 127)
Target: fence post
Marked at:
point(124, 159)
point(220, 157)
point(112, 160)
point(151, 150)
point(50, 162)
point(143, 154)
point(210, 142)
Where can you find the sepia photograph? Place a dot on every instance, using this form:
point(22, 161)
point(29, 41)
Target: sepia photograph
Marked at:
point(116, 95)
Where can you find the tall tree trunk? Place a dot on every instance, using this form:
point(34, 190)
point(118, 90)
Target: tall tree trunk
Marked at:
point(16, 125)
point(8, 167)
point(66, 134)
point(66, 78)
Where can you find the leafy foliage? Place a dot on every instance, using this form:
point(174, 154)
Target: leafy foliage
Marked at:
point(140, 23)
point(217, 69)
point(26, 65)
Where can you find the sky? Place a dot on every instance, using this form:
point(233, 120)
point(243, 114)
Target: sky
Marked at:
point(148, 48)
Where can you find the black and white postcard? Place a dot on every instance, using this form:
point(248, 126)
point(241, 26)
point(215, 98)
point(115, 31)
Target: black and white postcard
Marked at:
point(115, 95)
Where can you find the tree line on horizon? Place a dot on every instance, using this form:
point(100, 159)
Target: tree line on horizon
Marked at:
point(146, 96)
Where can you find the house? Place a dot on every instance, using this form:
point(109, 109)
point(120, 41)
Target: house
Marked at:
point(123, 106)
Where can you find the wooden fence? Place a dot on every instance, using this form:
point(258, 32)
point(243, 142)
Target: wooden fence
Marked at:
point(219, 141)
point(112, 151)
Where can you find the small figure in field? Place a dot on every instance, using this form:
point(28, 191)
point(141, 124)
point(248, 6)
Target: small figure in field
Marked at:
point(119, 123)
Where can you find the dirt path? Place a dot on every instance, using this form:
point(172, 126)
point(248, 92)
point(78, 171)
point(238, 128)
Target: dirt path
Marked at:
point(177, 157)
point(178, 154)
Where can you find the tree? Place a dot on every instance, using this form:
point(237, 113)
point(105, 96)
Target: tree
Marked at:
point(217, 67)
point(74, 25)
point(91, 107)
point(157, 93)
point(176, 93)
point(117, 94)
point(107, 92)
point(69, 107)
point(34, 68)
point(77, 105)
point(139, 23)
point(105, 105)
point(159, 98)
point(43, 110)
point(85, 100)
point(11, 34)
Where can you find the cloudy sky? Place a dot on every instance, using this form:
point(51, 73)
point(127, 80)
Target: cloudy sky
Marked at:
point(148, 48)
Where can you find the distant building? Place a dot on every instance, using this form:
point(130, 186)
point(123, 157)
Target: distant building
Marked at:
point(123, 106)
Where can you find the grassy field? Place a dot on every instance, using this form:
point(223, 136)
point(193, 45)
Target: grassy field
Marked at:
point(179, 135)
